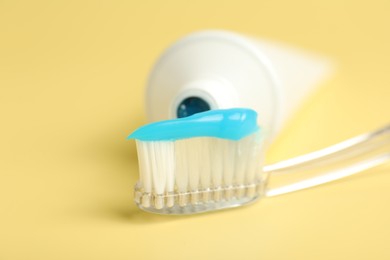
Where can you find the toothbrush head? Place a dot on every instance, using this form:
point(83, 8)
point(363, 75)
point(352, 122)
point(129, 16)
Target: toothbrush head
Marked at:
point(208, 161)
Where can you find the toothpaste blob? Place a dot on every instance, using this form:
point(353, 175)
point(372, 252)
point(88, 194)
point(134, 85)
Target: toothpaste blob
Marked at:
point(232, 124)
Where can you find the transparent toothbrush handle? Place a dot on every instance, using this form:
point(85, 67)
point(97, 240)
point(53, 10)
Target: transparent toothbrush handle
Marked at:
point(332, 163)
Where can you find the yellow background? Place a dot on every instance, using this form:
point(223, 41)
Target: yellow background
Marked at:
point(71, 88)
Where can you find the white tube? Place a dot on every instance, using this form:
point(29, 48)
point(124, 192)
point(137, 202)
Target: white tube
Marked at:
point(230, 70)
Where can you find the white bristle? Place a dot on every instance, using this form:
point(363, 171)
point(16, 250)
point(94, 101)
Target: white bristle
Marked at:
point(145, 172)
point(242, 160)
point(205, 168)
point(193, 152)
point(254, 161)
point(170, 171)
point(144, 166)
point(216, 154)
point(197, 170)
point(181, 170)
point(158, 171)
point(229, 162)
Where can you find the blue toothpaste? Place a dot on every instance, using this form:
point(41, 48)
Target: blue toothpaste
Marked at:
point(232, 124)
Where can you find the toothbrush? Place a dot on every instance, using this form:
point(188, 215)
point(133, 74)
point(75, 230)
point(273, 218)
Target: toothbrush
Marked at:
point(206, 161)
point(213, 160)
